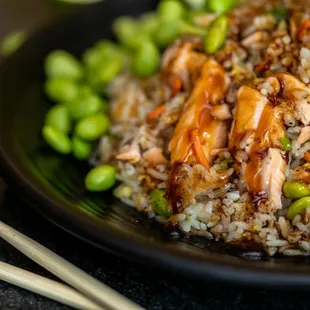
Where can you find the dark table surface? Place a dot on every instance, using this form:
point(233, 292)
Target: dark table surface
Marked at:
point(153, 289)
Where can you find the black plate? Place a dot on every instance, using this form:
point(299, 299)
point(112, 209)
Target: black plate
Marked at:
point(55, 183)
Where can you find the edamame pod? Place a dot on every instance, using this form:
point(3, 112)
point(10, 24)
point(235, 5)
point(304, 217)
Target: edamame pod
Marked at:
point(297, 207)
point(85, 106)
point(146, 60)
point(159, 203)
point(58, 117)
point(295, 189)
point(216, 35)
point(60, 63)
point(61, 89)
point(100, 178)
point(56, 139)
point(81, 149)
point(93, 127)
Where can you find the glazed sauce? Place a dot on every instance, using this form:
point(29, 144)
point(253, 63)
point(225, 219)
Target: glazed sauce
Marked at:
point(173, 190)
point(259, 198)
point(209, 90)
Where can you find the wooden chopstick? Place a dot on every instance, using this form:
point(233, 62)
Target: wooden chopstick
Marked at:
point(72, 275)
point(46, 287)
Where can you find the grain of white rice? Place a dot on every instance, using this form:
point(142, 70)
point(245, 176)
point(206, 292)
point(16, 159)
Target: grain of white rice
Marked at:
point(195, 224)
point(211, 224)
point(158, 175)
point(161, 185)
point(233, 236)
point(304, 245)
point(160, 168)
point(291, 252)
point(302, 227)
point(234, 196)
point(185, 225)
point(276, 243)
point(203, 226)
point(271, 251)
point(283, 226)
point(217, 229)
point(180, 217)
point(296, 219)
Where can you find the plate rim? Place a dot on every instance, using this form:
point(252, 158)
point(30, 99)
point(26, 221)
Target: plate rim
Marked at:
point(158, 256)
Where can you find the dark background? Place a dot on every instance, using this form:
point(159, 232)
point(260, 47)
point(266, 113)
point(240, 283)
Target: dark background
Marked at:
point(153, 289)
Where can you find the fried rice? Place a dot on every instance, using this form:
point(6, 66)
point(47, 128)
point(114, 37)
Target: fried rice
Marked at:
point(207, 130)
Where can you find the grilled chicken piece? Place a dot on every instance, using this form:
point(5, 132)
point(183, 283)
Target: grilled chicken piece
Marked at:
point(197, 130)
point(251, 104)
point(181, 64)
point(196, 135)
point(299, 95)
point(188, 183)
point(257, 130)
point(266, 176)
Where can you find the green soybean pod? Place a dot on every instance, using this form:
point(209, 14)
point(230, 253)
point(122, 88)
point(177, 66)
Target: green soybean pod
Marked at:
point(186, 28)
point(295, 189)
point(60, 63)
point(56, 139)
point(109, 69)
point(104, 72)
point(159, 203)
point(146, 60)
point(81, 149)
point(128, 32)
point(92, 127)
point(148, 23)
point(216, 35)
point(58, 117)
point(167, 32)
point(171, 10)
point(100, 178)
point(61, 89)
point(85, 106)
point(103, 49)
point(286, 143)
point(197, 5)
point(12, 42)
point(221, 6)
point(297, 207)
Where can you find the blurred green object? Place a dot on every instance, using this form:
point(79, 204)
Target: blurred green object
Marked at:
point(280, 14)
point(61, 89)
point(12, 42)
point(167, 32)
point(216, 35)
point(146, 60)
point(60, 63)
point(196, 5)
point(171, 10)
point(221, 6)
point(81, 149)
point(58, 117)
